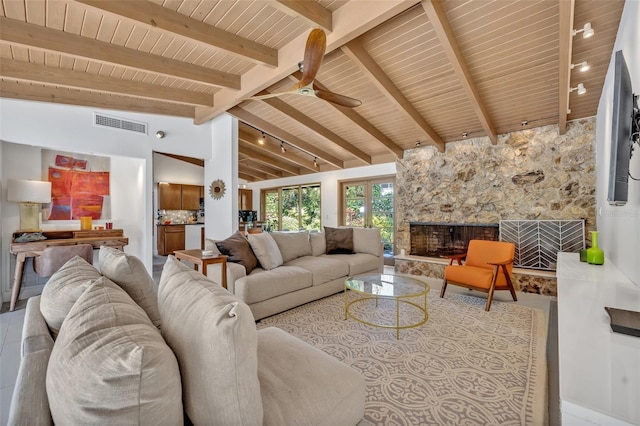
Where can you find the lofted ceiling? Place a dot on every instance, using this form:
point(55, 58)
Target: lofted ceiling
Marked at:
point(426, 72)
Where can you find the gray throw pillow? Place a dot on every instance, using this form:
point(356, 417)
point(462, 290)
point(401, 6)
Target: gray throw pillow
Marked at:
point(214, 337)
point(129, 273)
point(110, 365)
point(292, 245)
point(339, 240)
point(266, 250)
point(239, 251)
point(63, 289)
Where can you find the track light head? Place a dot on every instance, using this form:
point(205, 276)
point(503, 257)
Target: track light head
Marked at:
point(262, 138)
point(580, 88)
point(282, 147)
point(584, 66)
point(315, 162)
point(586, 31)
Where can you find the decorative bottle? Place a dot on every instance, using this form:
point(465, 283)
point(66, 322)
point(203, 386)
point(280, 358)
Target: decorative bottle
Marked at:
point(595, 255)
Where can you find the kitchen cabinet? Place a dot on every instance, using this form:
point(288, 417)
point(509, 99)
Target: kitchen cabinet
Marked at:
point(170, 239)
point(190, 197)
point(174, 196)
point(245, 199)
point(169, 196)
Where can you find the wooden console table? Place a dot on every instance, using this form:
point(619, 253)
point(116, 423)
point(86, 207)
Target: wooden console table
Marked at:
point(107, 237)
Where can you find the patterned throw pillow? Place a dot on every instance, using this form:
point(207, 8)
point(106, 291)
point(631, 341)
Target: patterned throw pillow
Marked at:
point(239, 251)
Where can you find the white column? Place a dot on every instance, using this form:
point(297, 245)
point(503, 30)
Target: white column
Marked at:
point(221, 216)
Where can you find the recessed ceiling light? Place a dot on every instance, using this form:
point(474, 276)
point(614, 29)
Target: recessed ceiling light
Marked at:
point(524, 123)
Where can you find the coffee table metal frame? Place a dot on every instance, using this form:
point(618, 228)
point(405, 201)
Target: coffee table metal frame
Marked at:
point(400, 288)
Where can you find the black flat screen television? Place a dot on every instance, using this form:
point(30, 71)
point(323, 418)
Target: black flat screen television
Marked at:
point(621, 130)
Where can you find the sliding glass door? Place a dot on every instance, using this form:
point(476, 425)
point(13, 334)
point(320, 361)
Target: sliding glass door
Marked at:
point(292, 208)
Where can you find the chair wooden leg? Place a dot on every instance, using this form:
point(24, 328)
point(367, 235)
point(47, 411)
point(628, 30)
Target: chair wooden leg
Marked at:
point(492, 288)
point(512, 289)
point(444, 287)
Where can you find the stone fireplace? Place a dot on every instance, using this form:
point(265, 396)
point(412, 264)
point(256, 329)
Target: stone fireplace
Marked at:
point(443, 239)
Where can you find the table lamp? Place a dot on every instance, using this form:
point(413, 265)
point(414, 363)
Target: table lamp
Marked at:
point(30, 194)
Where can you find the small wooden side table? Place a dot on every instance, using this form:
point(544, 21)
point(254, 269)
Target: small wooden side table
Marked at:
point(201, 262)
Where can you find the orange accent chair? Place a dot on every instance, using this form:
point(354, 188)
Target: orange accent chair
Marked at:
point(487, 267)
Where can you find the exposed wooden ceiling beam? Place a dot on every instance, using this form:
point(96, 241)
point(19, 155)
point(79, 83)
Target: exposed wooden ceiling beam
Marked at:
point(311, 12)
point(360, 121)
point(255, 173)
point(38, 37)
point(565, 17)
point(298, 161)
point(246, 177)
point(249, 164)
point(356, 52)
point(438, 18)
point(316, 127)
point(267, 168)
point(246, 149)
point(247, 117)
point(190, 160)
point(155, 16)
point(27, 71)
point(32, 92)
point(349, 21)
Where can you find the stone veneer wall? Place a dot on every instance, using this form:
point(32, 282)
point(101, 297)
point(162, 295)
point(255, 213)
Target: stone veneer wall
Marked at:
point(530, 174)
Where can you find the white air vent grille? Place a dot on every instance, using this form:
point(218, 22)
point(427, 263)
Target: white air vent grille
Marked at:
point(118, 123)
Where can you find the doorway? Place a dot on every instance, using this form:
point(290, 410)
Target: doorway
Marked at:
point(369, 203)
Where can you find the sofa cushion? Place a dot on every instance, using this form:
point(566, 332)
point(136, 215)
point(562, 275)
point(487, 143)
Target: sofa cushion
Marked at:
point(339, 240)
point(322, 268)
point(301, 384)
point(210, 245)
point(318, 243)
point(63, 289)
point(129, 273)
point(262, 285)
point(110, 364)
point(213, 335)
point(359, 263)
point(266, 250)
point(292, 244)
point(29, 402)
point(239, 251)
point(367, 240)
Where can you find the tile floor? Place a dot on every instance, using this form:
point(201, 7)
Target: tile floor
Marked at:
point(11, 332)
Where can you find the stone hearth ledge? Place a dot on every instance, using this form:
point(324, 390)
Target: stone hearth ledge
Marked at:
point(525, 280)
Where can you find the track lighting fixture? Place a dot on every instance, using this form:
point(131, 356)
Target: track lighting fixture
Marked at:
point(262, 138)
point(282, 148)
point(418, 143)
point(586, 31)
point(315, 162)
point(465, 134)
point(584, 66)
point(524, 123)
point(581, 89)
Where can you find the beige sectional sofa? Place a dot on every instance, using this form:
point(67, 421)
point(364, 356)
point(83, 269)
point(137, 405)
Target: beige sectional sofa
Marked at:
point(111, 347)
point(306, 273)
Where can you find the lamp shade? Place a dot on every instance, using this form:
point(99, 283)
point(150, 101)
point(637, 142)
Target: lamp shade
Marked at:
point(28, 191)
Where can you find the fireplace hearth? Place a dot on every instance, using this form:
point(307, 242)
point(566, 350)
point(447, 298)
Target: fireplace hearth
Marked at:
point(437, 239)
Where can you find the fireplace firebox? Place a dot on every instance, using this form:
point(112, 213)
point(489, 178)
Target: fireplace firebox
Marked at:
point(434, 239)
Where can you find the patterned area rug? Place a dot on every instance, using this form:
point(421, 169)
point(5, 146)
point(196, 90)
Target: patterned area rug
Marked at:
point(464, 366)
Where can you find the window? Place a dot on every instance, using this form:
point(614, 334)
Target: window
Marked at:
point(369, 204)
point(292, 208)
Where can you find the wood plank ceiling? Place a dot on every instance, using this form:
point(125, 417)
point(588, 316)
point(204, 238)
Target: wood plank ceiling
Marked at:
point(426, 72)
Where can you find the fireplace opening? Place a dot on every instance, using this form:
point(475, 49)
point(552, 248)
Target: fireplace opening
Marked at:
point(434, 239)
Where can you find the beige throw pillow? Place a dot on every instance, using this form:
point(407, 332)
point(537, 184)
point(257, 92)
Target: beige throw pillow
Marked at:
point(213, 335)
point(339, 240)
point(292, 244)
point(318, 243)
point(367, 240)
point(110, 365)
point(129, 273)
point(63, 289)
point(266, 250)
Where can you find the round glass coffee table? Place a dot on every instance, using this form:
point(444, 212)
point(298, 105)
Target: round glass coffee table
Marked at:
point(401, 289)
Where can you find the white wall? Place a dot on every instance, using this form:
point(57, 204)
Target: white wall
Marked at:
point(171, 170)
point(329, 191)
point(619, 226)
point(70, 128)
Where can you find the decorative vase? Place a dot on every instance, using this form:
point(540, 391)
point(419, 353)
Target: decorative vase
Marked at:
point(595, 255)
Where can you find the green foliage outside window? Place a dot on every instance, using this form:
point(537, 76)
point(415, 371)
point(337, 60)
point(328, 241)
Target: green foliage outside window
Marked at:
point(300, 208)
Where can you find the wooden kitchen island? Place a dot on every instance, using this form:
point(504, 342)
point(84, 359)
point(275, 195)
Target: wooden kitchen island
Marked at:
point(105, 237)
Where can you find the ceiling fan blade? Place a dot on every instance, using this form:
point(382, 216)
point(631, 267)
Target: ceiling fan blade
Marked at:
point(338, 99)
point(313, 55)
point(267, 96)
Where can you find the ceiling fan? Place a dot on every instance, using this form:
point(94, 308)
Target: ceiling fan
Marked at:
point(313, 55)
